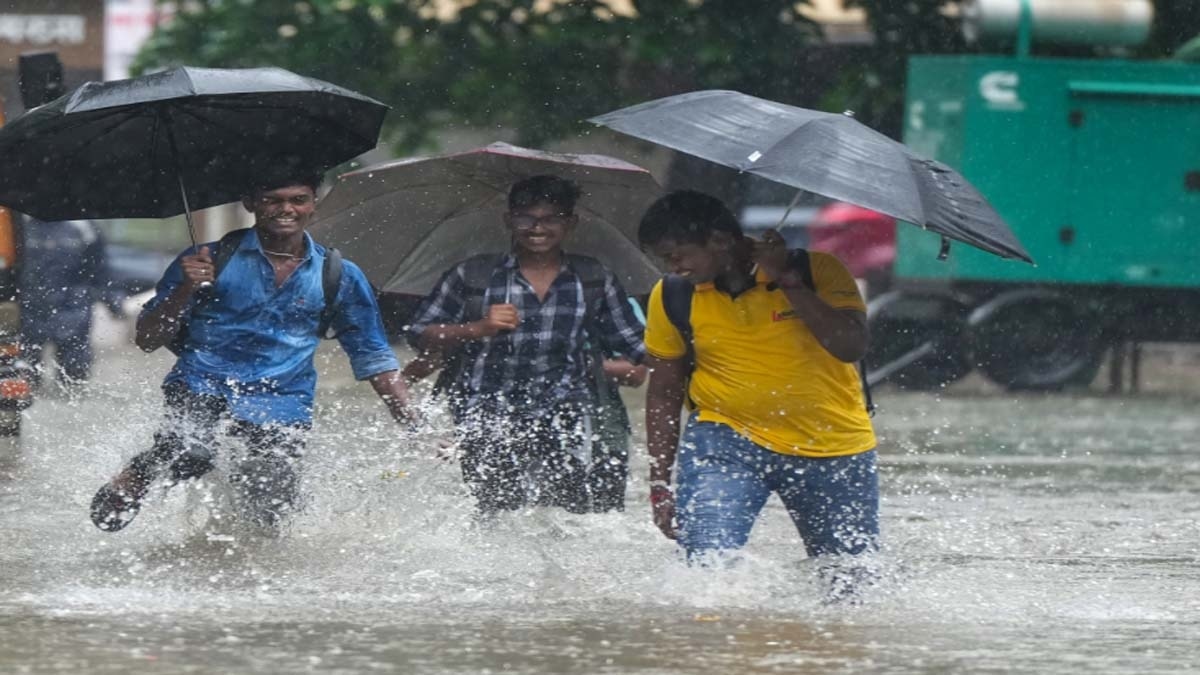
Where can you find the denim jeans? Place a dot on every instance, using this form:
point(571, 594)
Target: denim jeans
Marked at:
point(724, 479)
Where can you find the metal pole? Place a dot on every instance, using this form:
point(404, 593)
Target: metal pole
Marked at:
point(187, 209)
point(165, 115)
point(1025, 29)
point(788, 211)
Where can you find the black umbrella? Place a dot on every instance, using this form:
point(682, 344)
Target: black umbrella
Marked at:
point(829, 154)
point(183, 139)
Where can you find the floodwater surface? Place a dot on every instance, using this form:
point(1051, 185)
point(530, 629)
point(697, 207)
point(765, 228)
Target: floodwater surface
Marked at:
point(1049, 534)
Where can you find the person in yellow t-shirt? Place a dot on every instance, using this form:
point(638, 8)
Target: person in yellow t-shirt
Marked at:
point(776, 400)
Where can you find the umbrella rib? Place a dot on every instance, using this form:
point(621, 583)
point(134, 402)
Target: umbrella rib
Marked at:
point(122, 118)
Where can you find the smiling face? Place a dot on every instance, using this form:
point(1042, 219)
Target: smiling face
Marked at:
point(539, 228)
point(282, 212)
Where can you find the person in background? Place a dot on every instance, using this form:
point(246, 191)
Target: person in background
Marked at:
point(63, 273)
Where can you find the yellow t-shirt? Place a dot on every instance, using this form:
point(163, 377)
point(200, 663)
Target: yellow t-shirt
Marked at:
point(762, 372)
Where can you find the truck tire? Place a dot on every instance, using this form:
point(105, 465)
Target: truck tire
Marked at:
point(902, 322)
point(1035, 340)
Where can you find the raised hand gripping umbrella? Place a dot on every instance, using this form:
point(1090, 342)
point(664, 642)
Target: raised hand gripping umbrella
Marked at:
point(406, 222)
point(183, 139)
point(825, 153)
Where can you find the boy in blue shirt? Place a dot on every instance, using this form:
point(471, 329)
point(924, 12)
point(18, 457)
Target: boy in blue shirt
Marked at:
point(245, 349)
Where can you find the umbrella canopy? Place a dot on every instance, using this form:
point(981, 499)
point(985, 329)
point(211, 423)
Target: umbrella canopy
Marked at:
point(829, 154)
point(406, 222)
point(124, 148)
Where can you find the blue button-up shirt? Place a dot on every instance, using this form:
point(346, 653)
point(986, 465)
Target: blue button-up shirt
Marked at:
point(253, 344)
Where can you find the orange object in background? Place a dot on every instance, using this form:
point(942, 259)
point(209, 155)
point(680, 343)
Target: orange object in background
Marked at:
point(8, 238)
point(15, 389)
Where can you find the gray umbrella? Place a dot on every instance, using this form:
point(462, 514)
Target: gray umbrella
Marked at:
point(829, 154)
point(406, 222)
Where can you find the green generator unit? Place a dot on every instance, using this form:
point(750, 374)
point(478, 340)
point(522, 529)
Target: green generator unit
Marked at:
point(1095, 164)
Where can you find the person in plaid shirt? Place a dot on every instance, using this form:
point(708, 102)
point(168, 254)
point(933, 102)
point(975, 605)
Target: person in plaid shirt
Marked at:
point(515, 331)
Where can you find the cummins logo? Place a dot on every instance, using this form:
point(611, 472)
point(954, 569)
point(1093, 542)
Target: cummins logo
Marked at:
point(999, 89)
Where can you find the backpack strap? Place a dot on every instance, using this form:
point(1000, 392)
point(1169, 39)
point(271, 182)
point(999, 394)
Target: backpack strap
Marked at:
point(477, 275)
point(677, 303)
point(331, 280)
point(677, 295)
point(226, 247)
point(593, 278)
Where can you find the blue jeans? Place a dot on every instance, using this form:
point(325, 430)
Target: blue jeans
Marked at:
point(724, 480)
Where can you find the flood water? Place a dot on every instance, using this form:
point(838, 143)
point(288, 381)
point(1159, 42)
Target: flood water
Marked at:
point(1051, 534)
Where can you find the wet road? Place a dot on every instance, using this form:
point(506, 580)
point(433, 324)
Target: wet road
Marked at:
point(1022, 534)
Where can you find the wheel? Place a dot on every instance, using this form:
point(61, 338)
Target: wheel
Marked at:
point(1036, 340)
point(917, 339)
point(10, 423)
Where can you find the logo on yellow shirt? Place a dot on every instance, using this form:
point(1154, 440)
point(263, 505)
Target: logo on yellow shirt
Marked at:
point(784, 315)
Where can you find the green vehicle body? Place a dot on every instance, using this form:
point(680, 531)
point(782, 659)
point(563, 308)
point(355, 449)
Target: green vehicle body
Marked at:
point(1095, 164)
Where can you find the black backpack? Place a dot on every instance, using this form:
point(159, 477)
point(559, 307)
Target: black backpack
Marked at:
point(477, 275)
point(677, 303)
point(331, 278)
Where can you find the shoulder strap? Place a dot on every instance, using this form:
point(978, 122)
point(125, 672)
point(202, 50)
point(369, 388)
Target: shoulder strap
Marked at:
point(477, 274)
point(331, 279)
point(592, 276)
point(226, 248)
point(591, 271)
point(677, 303)
point(800, 261)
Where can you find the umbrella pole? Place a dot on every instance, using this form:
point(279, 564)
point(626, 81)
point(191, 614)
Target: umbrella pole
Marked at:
point(187, 209)
point(779, 225)
point(787, 212)
point(165, 116)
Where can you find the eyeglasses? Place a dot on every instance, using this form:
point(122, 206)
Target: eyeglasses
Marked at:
point(520, 221)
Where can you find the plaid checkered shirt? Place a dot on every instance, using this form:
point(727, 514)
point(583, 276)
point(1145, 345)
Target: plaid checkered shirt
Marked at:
point(543, 361)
